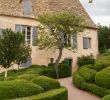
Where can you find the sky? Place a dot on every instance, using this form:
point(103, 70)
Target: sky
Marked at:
point(99, 11)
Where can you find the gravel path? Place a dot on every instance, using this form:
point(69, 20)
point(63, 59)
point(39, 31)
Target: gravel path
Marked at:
point(74, 93)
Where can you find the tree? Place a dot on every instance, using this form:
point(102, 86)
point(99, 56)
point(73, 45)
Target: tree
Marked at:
point(10, 46)
point(56, 32)
point(103, 38)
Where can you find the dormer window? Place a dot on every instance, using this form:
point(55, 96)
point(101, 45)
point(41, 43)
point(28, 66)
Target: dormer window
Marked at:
point(27, 7)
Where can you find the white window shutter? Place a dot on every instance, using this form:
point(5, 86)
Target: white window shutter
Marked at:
point(34, 35)
point(74, 40)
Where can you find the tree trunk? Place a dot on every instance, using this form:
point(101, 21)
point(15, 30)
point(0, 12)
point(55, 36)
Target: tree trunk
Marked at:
point(5, 72)
point(57, 62)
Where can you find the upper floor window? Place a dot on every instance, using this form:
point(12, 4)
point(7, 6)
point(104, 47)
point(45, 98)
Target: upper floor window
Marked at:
point(86, 42)
point(27, 7)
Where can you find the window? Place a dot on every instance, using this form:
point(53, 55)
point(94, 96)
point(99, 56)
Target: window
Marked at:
point(27, 7)
point(30, 33)
point(74, 41)
point(51, 60)
point(1, 31)
point(86, 43)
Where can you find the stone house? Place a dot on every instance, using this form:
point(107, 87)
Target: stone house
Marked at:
point(21, 15)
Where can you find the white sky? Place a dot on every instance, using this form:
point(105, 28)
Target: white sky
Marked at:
point(99, 10)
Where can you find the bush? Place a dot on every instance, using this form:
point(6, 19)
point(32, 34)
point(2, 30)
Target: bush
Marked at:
point(50, 72)
point(88, 74)
point(85, 60)
point(103, 78)
point(64, 70)
point(18, 88)
point(27, 77)
point(46, 82)
point(56, 94)
point(107, 97)
point(79, 82)
point(102, 62)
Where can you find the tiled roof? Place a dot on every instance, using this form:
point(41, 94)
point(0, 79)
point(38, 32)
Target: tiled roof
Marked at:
point(14, 8)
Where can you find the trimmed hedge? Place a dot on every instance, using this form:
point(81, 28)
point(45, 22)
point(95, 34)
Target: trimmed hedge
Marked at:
point(107, 97)
point(103, 78)
point(85, 60)
point(18, 88)
point(56, 94)
point(79, 82)
point(64, 70)
point(46, 82)
point(27, 77)
point(102, 62)
point(88, 74)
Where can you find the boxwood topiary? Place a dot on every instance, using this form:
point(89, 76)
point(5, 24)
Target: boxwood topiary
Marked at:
point(46, 82)
point(18, 88)
point(88, 74)
point(103, 78)
point(107, 97)
point(56, 94)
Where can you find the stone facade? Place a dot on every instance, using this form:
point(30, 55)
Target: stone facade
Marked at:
point(11, 14)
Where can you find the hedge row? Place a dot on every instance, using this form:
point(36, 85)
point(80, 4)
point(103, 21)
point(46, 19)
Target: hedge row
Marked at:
point(18, 88)
point(79, 82)
point(46, 82)
point(88, 74)
point(103, 78)
point(56, 94)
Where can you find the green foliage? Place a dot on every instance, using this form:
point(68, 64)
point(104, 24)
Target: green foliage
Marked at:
point(12, 44)
point(27, 77)
point(103, 78)
point(79, 82)
point(64, 70)
point(107, 97)
point(103, 37)
point(18, 88)
point(46, 82)
point(55, 94)
point(88, 74)
point(102, 62)
point(85, 60)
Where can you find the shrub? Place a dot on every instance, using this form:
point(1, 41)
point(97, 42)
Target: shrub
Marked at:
point(79, 82)
point(56, 94)
point(46, 82)
point(85, 60)
point(107, 97)
point(103, 78)
point(50, 72)
point(102, 62)
point(18, 88)
point(64, 70)
point(88, 74)
point(27, 77)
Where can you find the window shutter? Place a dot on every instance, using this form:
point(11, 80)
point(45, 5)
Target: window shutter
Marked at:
point(17, 28)
point(85, 44)
point(34, 36)
point(27, 7)
point(74, 40)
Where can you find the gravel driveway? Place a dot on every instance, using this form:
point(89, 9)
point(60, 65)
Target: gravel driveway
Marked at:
point(74, 93)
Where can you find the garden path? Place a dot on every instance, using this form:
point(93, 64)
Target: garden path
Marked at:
point(75, 93)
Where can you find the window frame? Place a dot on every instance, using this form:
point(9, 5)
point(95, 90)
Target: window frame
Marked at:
point(88, 41)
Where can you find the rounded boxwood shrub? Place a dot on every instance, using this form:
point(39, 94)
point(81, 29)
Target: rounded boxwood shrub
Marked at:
point(27, 76)
point(107, 97)
point(55, 94)
point(46, 82)
point(64, 70)
point(88, 74)
point(103, 78)
point(102, 62)
point(85, 60)
point(18, 88)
